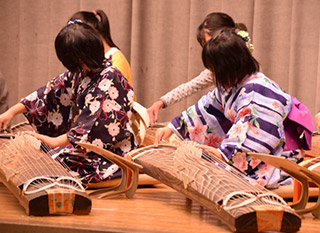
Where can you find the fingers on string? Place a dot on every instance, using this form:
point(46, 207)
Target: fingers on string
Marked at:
point(3, 128)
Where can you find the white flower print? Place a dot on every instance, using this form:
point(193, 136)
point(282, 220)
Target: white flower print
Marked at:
point(55, 118)
point(48, 89)
point(104, 72)
point(238, 130)
point(125, 145)
point(113, 92)
point(130, 95)
point(85, 82)
point(110, 171)
point(69, 90)
point(128, 127)
point(33, 96)
point(97, 142)
point(107, 105)
point(104, 84)
point(65, 99)
point(84, 138)
point(110, 105)
point(113, 129)
point(94, 106)
point(88, 98)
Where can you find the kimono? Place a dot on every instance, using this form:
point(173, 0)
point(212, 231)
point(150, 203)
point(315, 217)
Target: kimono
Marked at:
point(119, 60)
point(246, 118)
point(103, 103)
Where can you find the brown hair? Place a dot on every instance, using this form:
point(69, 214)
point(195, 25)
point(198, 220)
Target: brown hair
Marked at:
point(99, 21)
point(229, 58)
point(214, 23)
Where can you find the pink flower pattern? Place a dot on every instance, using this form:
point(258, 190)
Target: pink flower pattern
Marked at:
point(197, 132)
point(239, 161)
point(213, 140)
point(241, 119)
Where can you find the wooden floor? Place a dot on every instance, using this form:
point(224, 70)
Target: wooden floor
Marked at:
point(152, 209)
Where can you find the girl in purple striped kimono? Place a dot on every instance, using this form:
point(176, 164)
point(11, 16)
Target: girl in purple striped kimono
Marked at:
point(245, 113)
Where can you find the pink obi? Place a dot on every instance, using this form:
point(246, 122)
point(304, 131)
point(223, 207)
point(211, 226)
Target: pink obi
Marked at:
point(298, 127)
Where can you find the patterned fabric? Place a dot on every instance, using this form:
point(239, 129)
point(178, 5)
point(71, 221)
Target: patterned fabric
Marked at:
point(103, 102)
point(245, 118)
point(200, 82)
point(119, 61)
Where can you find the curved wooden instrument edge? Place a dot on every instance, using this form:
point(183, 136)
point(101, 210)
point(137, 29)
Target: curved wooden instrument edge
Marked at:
point(162, 169)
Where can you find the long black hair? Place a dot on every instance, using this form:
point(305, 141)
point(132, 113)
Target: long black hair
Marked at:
point(229, 58)
point(214, 23)
point(99, 21)
point(78, 44)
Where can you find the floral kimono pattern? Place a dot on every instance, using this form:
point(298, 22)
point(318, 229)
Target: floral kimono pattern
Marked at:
point(246, 118)
point(88, 107)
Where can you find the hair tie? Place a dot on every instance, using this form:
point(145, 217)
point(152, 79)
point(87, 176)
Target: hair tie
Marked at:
point(95, 13)
point(75, 21)
point(251, 47)
point(244, 35)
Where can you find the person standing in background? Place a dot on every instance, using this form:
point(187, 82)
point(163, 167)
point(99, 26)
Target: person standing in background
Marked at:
point(4, 93)
point(209, 28)
point(99, 21)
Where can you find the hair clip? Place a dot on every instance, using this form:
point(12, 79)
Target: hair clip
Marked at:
point(244, 35)
point(75, 21)
point(251, 47)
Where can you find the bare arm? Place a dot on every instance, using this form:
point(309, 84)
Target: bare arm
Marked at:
point(53, 142)
point(8, 115)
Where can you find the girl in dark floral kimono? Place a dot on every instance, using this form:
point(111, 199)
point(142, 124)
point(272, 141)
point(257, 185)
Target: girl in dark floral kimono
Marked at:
point(98, 92)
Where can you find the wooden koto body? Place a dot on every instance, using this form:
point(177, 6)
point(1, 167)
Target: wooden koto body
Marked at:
point(218, 187)
point(41, 184)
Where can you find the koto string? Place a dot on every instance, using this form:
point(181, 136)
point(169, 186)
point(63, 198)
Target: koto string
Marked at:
point(48, 150)
point(240, 179)
point(28, 156)
point(20, 161)
point(244, 180)
point(25, 126)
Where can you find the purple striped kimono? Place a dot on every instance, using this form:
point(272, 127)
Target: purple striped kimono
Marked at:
point(246, 118)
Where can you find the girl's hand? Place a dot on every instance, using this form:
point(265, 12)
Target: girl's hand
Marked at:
point(52, 142)
point(7, 116)
point(5, 120)
point(162, 135)
point(211, 150)
point(153, 112)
